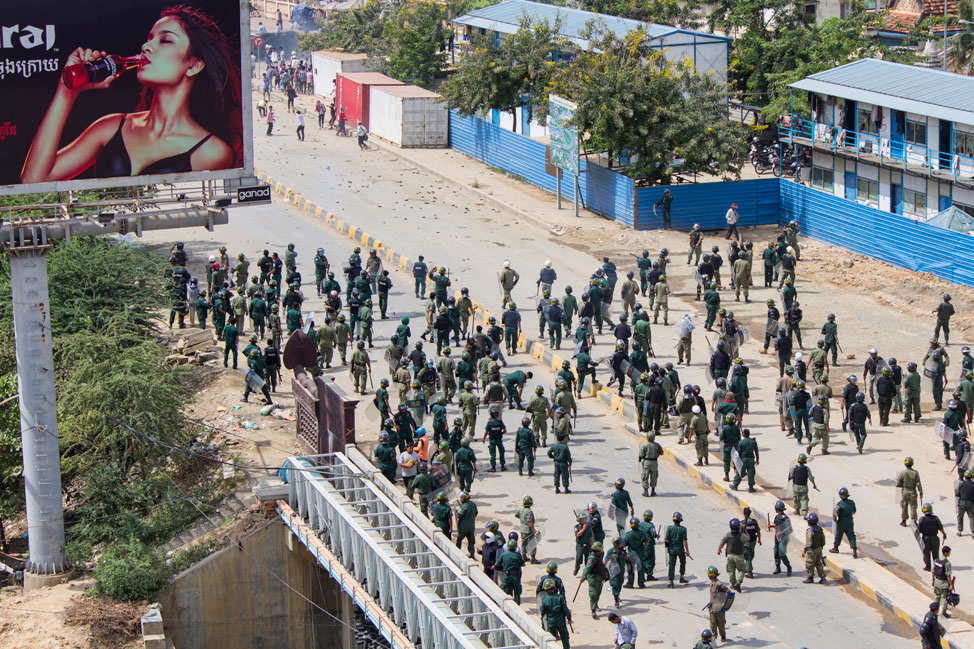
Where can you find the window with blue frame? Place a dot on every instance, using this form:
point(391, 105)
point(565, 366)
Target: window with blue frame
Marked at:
point(867, 191)
point(823, 178)
point(916, 133)
point(914, 202)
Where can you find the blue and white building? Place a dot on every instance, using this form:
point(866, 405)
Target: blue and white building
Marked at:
point(709, 52)
point(895, 137)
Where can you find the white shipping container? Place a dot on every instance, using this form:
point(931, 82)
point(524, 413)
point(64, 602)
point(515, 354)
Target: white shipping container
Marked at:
point(326, 64)
point(409, 116)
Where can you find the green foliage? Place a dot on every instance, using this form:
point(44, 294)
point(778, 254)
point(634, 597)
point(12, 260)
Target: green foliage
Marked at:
point(777, 44)
point(664, 12)
point(408, 41)
point(11, 459)
point(358, 30)
point(497, 74)
point(130, 572)
point(631, 99)
point(414, 40)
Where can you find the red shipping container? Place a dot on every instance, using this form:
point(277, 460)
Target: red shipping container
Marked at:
point(352, 94)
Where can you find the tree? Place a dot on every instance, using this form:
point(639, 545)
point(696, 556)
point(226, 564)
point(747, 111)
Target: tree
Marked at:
point(414, 40)
point(664, 12)
point(499, 73)
point(358, 30)
point(631, 99)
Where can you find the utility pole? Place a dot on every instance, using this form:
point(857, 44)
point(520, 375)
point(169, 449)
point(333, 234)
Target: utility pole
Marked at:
point(27, 244)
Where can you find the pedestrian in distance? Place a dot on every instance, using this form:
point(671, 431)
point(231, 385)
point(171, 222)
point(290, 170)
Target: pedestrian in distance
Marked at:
point(270, 120)
point(363, 136)
point(732, 217)
point(300, 129)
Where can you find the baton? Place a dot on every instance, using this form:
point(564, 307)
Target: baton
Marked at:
point(369, 368)
point(570, 624)
point(580, 582)
point(838, 345)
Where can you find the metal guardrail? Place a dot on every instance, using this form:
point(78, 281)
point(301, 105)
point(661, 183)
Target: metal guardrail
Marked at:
point(398, 564)
point(869, 147)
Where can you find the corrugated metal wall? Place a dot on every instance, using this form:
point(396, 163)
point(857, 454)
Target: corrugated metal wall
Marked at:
point(707, 203)
point(763, 201)
point(603, 191)
point(884, 236)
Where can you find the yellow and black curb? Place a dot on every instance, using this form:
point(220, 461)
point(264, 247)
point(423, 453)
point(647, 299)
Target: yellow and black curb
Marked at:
point(627, 409)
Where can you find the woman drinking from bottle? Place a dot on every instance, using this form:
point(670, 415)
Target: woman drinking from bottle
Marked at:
point(188, 119)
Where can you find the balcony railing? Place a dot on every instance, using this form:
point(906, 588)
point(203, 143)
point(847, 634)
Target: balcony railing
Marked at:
point(877, 149)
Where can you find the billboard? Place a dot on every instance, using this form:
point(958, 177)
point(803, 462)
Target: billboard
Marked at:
point(564, 136)
point(110, 93)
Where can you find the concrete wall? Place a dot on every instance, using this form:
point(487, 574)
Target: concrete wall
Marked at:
point(231, 600)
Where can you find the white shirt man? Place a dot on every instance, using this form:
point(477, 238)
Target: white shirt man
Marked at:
point(261, 29)
point(626, 631)
point(732, 215)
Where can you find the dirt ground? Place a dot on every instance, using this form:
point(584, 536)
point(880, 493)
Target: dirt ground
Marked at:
point(60, 618)
point(891, 307)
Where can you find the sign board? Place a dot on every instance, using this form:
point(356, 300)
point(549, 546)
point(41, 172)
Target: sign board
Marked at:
point(258, 41)
point(76, 122)
point(255, 194)
point(564, 136)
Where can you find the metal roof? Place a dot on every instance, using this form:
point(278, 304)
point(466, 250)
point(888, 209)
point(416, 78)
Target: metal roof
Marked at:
point(924, 91)
point(506, 18)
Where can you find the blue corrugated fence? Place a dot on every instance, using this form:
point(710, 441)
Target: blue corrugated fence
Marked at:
point(762, 201)
point(878, 234)
point(603, 191)
point(707, 203)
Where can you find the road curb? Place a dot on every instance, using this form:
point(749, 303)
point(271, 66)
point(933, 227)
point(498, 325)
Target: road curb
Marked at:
point(626, 408)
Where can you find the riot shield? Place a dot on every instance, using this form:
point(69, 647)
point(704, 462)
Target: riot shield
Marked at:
point(617, 515)
point(255, 382)
point(783, 530)
point(684, 327)
point(614, 568)
point(728, 602)
point(636, 562)
point(738, 462)
point(710, 370)
point(310, 320)
point(442, 483)
point(698, 278)
point(391, 361)
point(743, 335)
point(416, 406)
point(945, 433)
point(772, 328)
point(918, 536)
point(531, 543)
point(930, 369)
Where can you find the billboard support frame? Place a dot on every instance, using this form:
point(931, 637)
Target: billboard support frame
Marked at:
point(246, 134)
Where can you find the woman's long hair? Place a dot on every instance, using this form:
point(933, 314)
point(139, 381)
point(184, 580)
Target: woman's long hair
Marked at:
point(214, 101)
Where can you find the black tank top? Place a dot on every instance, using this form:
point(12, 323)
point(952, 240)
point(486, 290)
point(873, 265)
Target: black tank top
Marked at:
point(113, 159)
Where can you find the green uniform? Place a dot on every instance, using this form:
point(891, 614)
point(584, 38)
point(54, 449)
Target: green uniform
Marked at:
point(342, 334)
point(622, 503)
point(676, 535)
point(747, 448)
point(539, 407)
point(830, 333)
point(442, 518)
point(511, 563)
point(942, 572)
point(643, 418)
point(736, 565)
point(230, 344)
point(293, 321)
point(814, 545)
point(467, 525)
point(730, 436)
point(649, 562)
point(701, 438)
point(649, 452)
point(908, 482)
point(422, 485)
point(911, 385)
point(636, 540)
point(385, 455)
point(529, 546)
point(555, 614)
point(525, 445)
point(594, 573)
point(712, 299)
point(844, 511)
point(360, 370)
point(615, 561)
point(468, 412)
point(562, 458)
point(465, 460)
point(583, 544)
point(718, 617)
point(944, 311)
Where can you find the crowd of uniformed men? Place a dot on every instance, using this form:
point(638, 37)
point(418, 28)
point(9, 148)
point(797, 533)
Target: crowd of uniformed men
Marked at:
point(426, 384)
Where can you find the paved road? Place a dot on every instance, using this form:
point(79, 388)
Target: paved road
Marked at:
point(663, 616)
point(382, 194)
